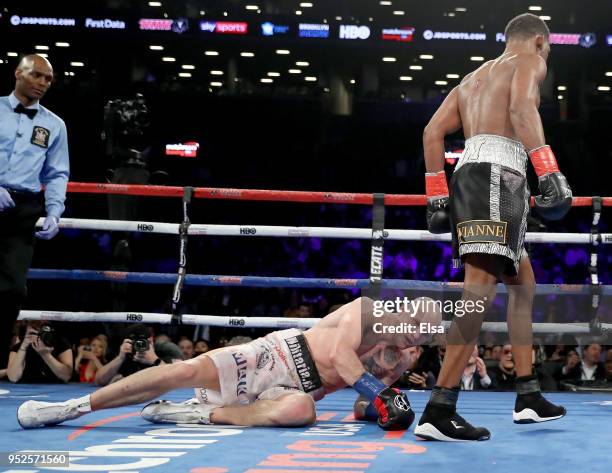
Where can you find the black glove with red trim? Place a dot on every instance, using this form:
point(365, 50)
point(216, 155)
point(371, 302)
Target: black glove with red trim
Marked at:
point(394, 411)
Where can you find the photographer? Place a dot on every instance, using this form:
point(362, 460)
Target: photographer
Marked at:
point(137, 352)
point(42, 356)
point(90, 358)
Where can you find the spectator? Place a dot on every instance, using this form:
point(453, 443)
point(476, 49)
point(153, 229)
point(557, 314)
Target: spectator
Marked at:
point(186, 347)
point(608, 364)
point(475, 376)
point(163, 338)
point(90, 358)
point(420, 377)
point(497, 352)
point(42, 357)
point(137, 352)
point(504, 374)
point(201, 346)
point(589, 369)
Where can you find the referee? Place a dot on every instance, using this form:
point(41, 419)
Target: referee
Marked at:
point(34, 172)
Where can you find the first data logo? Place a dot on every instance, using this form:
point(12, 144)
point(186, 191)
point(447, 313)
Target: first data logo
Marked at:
point(270, 29)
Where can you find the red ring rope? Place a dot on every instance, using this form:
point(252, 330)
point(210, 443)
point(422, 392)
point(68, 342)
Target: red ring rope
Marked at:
point(270, 195)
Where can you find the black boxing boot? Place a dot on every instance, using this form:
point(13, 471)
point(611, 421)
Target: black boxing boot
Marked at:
point(531, 406)
point(440, 420)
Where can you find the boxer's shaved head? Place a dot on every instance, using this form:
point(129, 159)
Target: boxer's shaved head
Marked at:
point(526, 26)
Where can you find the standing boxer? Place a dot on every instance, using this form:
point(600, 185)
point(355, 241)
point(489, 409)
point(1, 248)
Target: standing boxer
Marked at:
point(33, 154)
point(497, 107)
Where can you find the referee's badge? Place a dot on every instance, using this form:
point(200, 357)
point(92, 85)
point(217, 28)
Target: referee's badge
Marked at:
point(40, 137)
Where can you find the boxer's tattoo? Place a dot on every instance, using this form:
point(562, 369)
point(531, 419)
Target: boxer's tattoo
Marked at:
point(371, 366)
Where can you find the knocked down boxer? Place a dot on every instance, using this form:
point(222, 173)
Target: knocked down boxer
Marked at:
point(274, 380)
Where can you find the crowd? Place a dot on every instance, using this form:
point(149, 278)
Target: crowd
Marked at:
point(42, 352)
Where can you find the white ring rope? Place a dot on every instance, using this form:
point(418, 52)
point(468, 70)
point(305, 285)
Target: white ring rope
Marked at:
point(257, 322)
point(302, 232)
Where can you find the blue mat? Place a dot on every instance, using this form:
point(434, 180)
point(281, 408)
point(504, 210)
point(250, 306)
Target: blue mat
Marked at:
point(118, 440)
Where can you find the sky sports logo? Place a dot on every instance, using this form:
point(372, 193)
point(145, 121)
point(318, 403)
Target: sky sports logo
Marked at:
point(402, 35)
point(456, 35)
point(224, 27)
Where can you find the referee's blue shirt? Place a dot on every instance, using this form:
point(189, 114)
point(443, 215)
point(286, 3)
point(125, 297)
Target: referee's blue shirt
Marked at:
point(34, 153)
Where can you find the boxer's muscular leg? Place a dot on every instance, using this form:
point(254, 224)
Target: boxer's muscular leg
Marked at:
point(521, 289)
point(153, 382)
point(291, 410)
point(481, 275)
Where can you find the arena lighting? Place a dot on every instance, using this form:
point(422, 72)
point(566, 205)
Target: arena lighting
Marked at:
point(560, 97)
point(545, 18)
point(302, 63)
point(441, 82)
point(266, 80)
point(452, 76)
point(389, 59)
point(283, 52)
point(62, 44)
point(45, 55)
point(184, 74)
point(476, 58)
point(306, 5)
point(461, 9)
point(385, 3)
point(188, 66)
point(155, 47)
point(12, 54)
point(426, 56)
point(295, 71)
point(216, 73)
point(603, 88)
point(251, 7)
point(247, 54)
point(216, 84)
point(535, 8)
point(561, 87)
point(273, 74)
point(41, 47)
point(609, 74)
point(211, 53)
point(155, 4)
point(169, 59)
point(399, 12)
point(352, 81)
point(76, 63)
point(405, 78)
point(310, 79)
point(298, 12)
point(451, 14)
point(416, 67)
point(338, 18)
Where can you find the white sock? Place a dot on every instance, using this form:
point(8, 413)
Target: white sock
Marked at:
point(83, 404)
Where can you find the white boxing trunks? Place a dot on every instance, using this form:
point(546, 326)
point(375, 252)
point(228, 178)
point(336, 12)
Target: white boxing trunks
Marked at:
point(266, 368)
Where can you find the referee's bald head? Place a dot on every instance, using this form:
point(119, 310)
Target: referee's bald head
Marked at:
point(33, 77)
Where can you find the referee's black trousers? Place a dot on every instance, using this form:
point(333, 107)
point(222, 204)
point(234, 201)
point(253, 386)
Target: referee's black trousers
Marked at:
point(17, 227)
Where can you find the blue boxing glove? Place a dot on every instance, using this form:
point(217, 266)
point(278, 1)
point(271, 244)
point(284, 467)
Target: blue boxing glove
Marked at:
point(50, 228)
point(391, 405)
point(6, 201)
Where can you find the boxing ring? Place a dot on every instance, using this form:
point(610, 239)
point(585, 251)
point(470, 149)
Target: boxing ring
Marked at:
point(119, 440)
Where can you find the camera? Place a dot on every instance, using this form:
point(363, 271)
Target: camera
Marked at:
point(139, 343)
point(46, 334)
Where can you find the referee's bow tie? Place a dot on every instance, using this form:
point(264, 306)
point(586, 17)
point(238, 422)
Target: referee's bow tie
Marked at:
point(30, 112)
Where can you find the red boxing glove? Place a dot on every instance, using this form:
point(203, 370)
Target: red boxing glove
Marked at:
point(436, 188)
point(543, 160)
point(435, 184)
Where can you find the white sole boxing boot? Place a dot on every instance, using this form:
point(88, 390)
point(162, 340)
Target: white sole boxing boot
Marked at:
point(188, 412)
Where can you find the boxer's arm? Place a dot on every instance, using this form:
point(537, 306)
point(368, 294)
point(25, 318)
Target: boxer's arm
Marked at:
point(343, 353)
point(445, 121)
point(524, 99)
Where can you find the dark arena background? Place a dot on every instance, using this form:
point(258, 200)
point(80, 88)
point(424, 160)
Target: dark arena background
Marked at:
point(242, 166)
